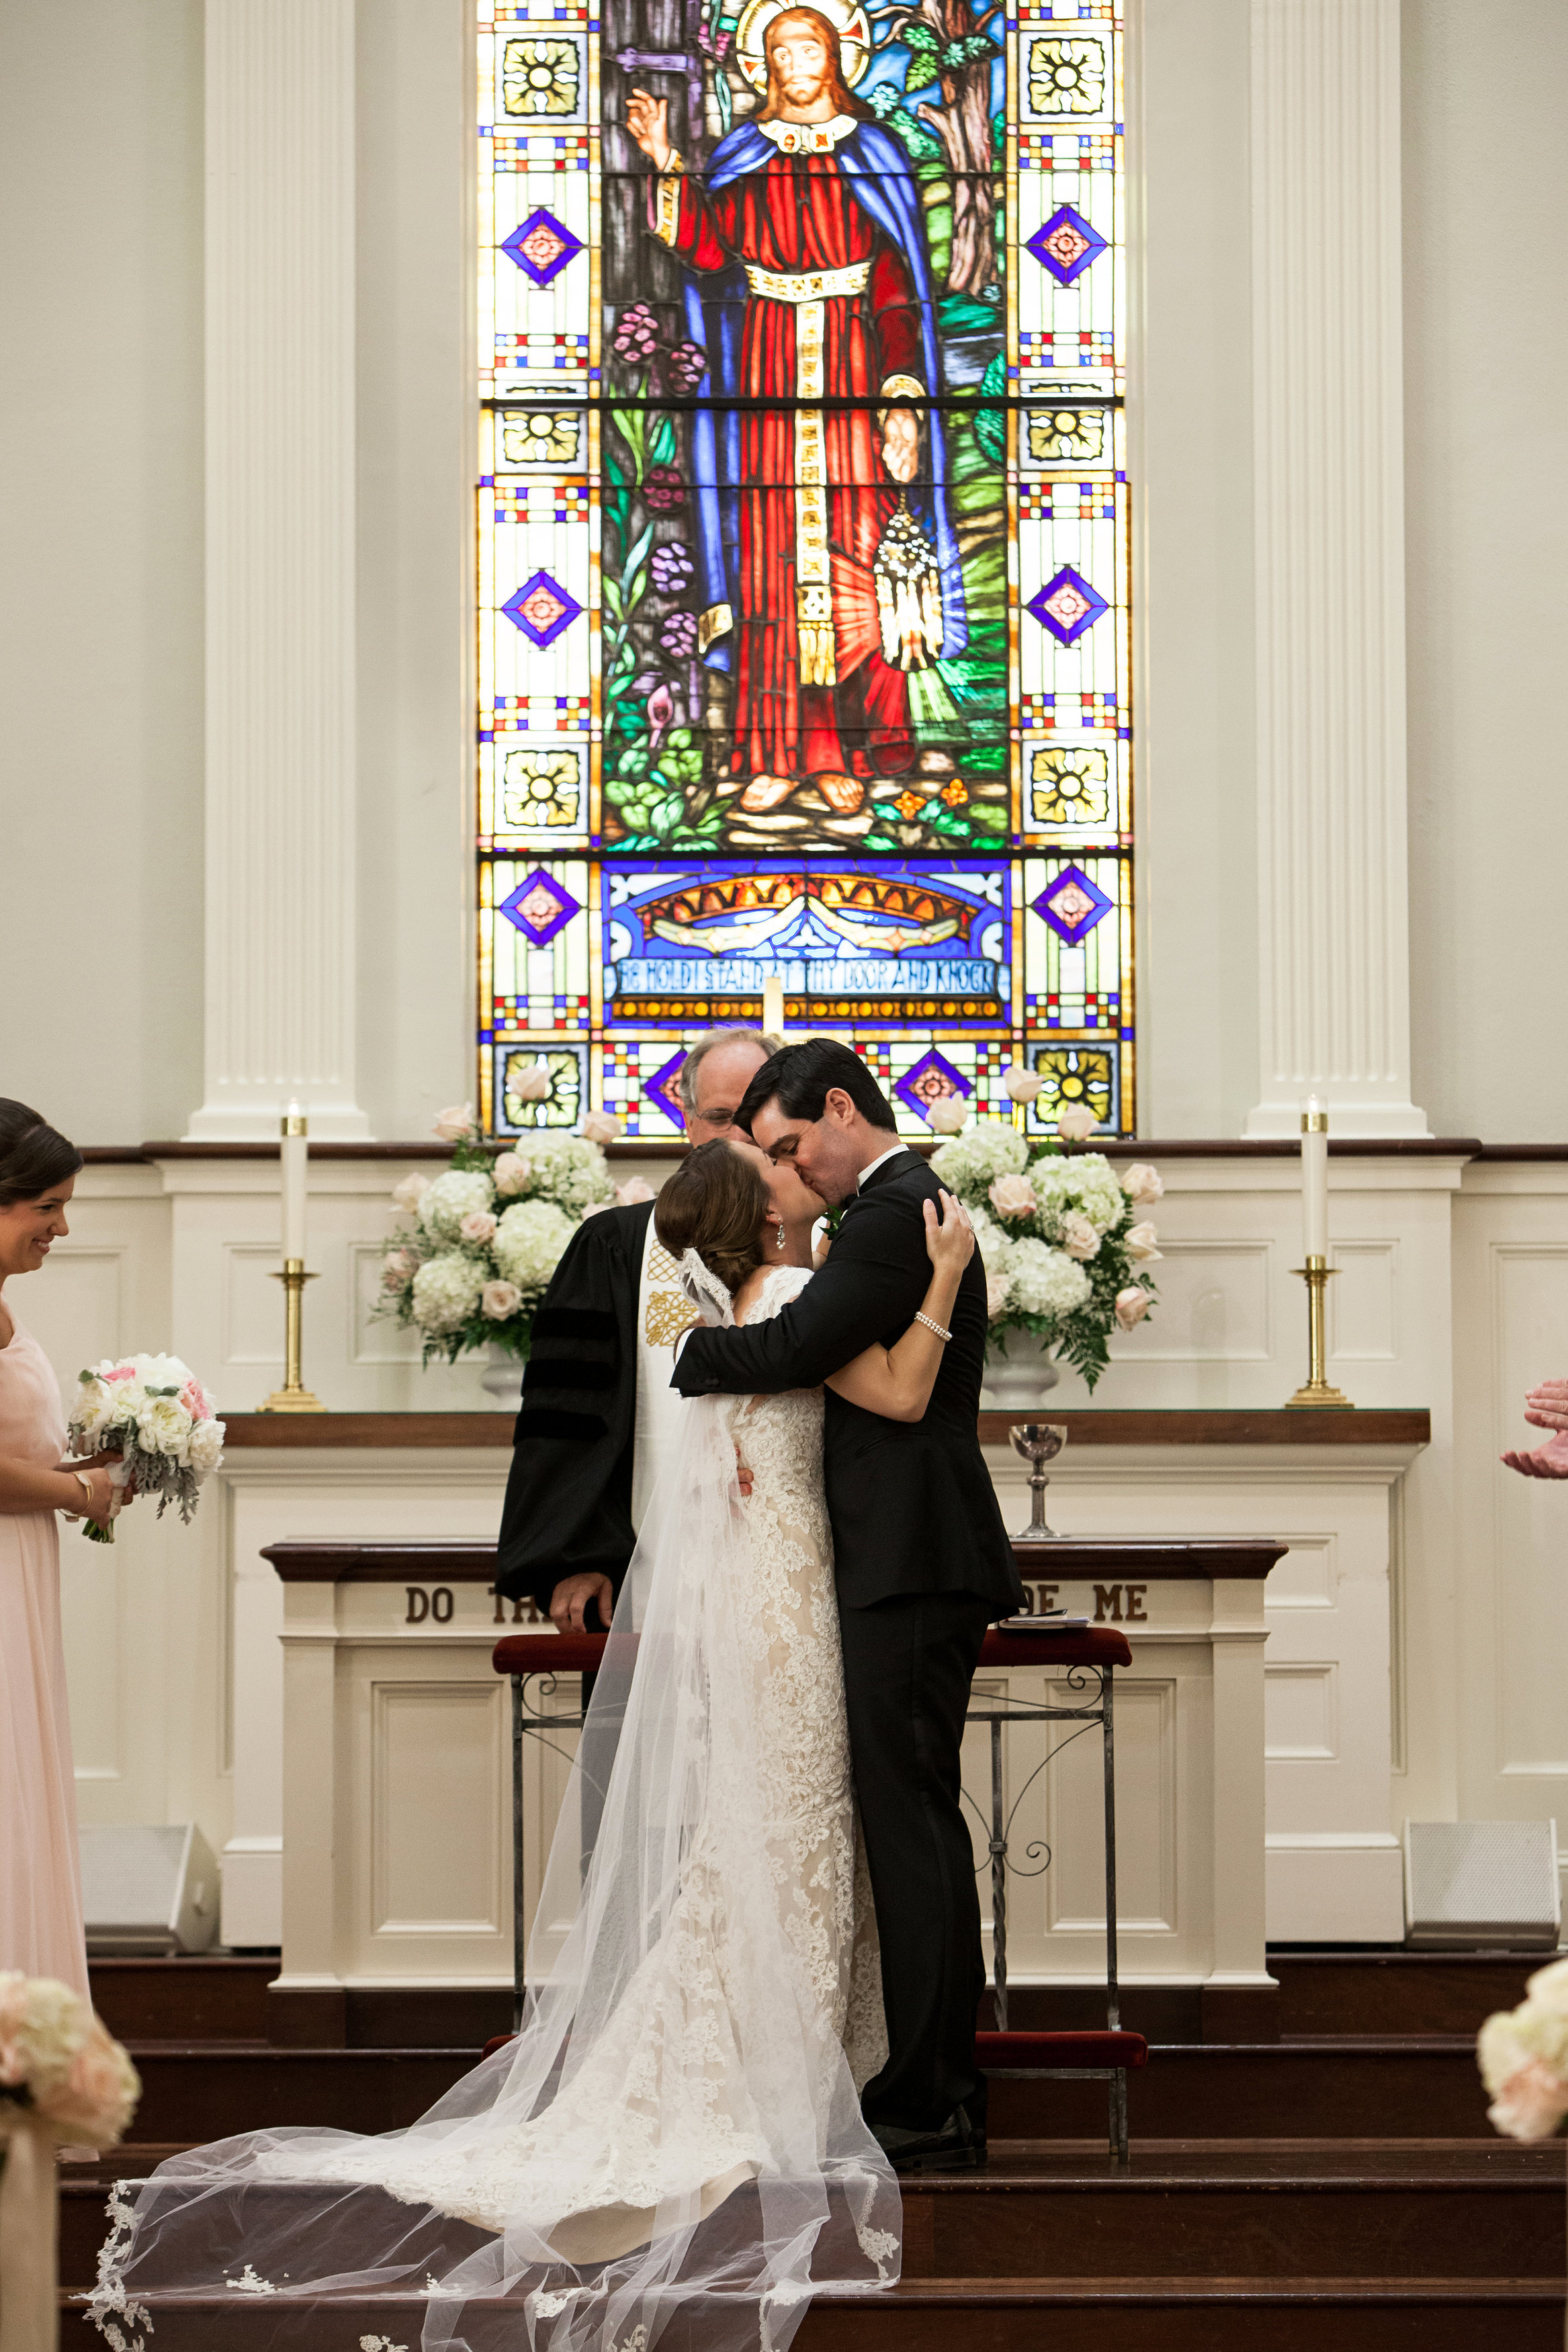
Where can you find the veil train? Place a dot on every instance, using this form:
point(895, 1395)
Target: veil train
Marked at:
point(675, 2135)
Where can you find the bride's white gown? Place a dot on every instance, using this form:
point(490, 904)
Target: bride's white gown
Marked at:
point(678, 2124)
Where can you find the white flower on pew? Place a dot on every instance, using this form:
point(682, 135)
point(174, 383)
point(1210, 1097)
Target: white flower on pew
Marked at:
point(1523, 2058)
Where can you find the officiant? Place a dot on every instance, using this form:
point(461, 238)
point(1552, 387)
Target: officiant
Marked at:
point(599, 1415)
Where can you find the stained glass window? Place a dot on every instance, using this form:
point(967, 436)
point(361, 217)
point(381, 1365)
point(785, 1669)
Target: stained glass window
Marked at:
point(802, 548)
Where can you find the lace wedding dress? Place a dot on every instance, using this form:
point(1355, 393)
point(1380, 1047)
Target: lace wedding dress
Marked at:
point(676, 2132)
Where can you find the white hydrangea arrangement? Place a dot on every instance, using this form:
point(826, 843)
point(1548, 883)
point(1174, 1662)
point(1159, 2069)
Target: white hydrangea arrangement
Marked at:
point(473, 1248)
point(1062, 1236)
point(1523, 2058)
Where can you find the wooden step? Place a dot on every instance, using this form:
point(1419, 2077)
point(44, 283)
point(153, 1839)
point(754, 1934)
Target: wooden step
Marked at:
point(1397, 1992)
point(1153, 2314)
point(1352, 2088)
point(224, 1997)
point(1287, 2210)
point(205, 1998)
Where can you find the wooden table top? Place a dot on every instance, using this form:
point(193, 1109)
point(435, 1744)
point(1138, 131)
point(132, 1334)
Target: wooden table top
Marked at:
point(1092, 1425)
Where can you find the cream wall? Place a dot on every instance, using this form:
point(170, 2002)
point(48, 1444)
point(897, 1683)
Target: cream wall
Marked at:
point(100, 582)
point(1486, 356)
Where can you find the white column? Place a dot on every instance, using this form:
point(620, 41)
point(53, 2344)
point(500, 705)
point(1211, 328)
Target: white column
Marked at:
point(1328, 480)
point(280, 655)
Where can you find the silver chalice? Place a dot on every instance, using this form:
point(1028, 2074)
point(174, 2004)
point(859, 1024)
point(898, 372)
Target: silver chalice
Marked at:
point(1039, 1442)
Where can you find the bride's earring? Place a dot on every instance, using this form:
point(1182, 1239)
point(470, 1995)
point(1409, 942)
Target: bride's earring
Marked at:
point(778, 1236)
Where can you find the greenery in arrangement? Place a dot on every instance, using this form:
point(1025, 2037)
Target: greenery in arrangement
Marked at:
point(1064, 1239)
point(473, 1248)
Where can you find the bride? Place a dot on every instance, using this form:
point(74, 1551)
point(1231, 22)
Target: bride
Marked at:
point(676, 2132)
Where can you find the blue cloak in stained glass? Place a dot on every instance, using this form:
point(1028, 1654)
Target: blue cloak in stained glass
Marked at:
point(877, 173)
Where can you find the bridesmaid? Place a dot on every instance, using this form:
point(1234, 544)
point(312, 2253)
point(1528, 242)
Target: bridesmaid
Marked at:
point(40, 1875)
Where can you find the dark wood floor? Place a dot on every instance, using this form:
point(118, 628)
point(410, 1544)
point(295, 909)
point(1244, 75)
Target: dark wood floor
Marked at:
point(1338, 2188)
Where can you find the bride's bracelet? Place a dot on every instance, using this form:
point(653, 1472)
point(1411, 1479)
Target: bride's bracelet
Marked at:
point(931, 1323)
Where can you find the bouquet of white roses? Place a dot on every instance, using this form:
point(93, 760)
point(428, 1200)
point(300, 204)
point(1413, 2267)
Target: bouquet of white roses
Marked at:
point(1061, 1236)
point(475, 1246)
point(155, 1414)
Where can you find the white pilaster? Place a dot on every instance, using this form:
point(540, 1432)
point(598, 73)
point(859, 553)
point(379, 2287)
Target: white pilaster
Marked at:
point(281, 654)
point(1328, 468)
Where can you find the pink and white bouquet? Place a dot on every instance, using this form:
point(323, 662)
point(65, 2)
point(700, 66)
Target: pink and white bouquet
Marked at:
point(1523, 2057)
point(155, 1414)
point(1062, 1235)
point(473, 1248)
point(59, 2066)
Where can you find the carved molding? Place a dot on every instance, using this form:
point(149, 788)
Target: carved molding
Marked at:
point(1328, 466)
point(281, 554)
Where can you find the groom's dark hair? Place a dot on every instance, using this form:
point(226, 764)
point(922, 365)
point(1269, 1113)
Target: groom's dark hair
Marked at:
point(802, 1077)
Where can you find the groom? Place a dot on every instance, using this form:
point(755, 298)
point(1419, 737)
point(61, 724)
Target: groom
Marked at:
point(922, 1566)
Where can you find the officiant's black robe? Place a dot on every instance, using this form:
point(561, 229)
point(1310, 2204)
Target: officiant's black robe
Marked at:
point(569, 1497)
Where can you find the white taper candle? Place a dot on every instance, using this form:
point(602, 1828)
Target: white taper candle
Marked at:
point(773, 1005)
point(1315, 1179)
point(295, 1152)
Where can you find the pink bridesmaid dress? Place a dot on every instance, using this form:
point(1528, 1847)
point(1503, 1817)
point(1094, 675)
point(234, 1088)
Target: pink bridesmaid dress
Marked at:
point(40, 1875)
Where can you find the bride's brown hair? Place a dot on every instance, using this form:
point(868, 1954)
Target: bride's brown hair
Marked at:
point(715, 1203)
point(844, 98)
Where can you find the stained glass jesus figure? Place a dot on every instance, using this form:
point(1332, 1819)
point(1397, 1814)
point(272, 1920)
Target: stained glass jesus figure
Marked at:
point(831, 569)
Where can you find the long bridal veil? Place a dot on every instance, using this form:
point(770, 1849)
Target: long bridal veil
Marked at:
point(674, 2138)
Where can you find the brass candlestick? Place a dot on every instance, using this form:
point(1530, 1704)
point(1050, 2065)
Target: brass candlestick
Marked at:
point(293, 1396)
point(1315, 1275)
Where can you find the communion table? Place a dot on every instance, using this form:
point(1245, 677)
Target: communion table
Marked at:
point(1247, 1555)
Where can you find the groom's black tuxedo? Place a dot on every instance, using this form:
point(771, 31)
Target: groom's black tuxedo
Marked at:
point(912, 1503)
point(921, 1564)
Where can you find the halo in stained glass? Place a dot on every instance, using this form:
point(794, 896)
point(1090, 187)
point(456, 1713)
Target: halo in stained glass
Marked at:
point(541, 608)
point(932, 1080)
point(1067, 606)
point(1072, 904)
point(541, 245)
point(1066, 245)
point(540, 906)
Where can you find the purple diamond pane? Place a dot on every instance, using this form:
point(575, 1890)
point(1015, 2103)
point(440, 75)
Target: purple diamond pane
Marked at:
point(542, 608)
point(1072, 904)
point(1067, 606)
point(541, 245)
point(932, 1079)
point(660, 1088)
point(1066, 245)
point(540, 906)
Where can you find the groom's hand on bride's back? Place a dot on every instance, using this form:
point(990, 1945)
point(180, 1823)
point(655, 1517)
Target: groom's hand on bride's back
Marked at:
point(575, 1598)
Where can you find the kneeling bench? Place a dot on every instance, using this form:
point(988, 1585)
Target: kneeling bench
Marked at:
point(1088, 1657)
